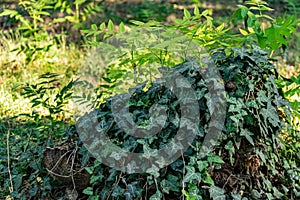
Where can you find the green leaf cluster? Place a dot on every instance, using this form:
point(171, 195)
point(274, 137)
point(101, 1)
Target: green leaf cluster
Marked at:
point(246, 151)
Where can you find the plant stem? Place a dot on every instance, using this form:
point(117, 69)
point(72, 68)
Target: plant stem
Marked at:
point(11, 189)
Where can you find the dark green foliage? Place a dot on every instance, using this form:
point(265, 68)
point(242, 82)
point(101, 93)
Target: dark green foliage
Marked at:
point(25, 137)
point(247, 150)
point(23, 142)
point(245, 162)
point(251, 160)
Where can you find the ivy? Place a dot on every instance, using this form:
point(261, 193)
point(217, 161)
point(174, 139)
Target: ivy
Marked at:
point(245, 150)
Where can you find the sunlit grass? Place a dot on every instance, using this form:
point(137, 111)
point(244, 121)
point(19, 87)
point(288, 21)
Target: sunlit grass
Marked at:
point(14, 71)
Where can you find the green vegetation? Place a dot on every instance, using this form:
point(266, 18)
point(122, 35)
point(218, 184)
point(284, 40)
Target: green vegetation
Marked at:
point(44, 45)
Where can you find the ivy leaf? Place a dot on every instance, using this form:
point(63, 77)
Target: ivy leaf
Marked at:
point(156, 196)
point(230, 148)
point(94, 179)
point(261, 97)
point(247, 134)
point(285, 189)
point(255, 194)
point(132, 188)
point(212, 158)
point(118, 191)
point(17, 180)
point(188, 196)
point(270, 114)
point(208, 179)
point(128, 196)
point(236, 196)
point(252, 104)
point(170, 184)
point(276, 193)
point(149, 152)
point(88, 191)
point(191, 175)
point(261, 156)
point(270, 196)
point(241, 52)
point(89, 169)
point(32, 192)
point(202, 165)
point(154, 170)
point(267, 184)
point(216, 193)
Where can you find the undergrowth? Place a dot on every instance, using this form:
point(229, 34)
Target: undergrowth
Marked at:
point(38, 72)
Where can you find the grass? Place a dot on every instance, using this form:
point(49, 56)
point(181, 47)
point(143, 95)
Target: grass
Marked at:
point(61, 59)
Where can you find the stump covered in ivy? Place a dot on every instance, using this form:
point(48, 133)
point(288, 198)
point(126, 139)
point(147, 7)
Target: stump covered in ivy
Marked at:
point(244, 162)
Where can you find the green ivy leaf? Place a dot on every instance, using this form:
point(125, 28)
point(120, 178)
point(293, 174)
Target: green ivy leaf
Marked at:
point(261, 156)
point(118, 191)
point(207, 179)
point(270, 115)
point(261, 97)
point(17, 181)
point(191, 175)
point(267, 184)
point(216, 193)
point(247, 134)
point(202, 165)
point(236, 196)
point(156, 196)
point(32, 192)
point(269, 196)
point(88, 191)
point(188, 196)
point(255, 194)
point(276, 193)
point(212, 158)
point(170, 184)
